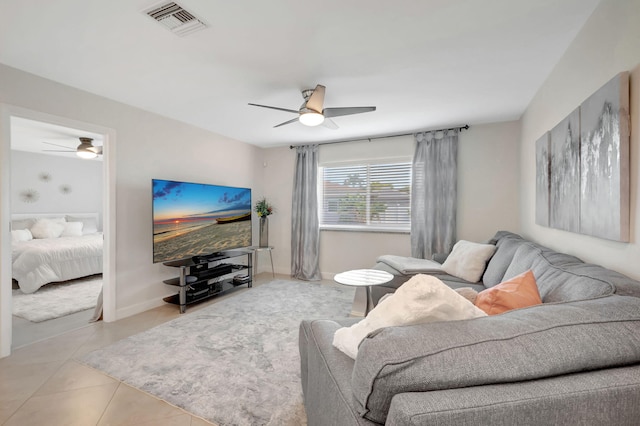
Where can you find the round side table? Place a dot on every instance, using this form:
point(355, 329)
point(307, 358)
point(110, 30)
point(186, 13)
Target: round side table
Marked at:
point(364, 278)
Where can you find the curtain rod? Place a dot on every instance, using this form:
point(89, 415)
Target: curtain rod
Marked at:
point(460, 128)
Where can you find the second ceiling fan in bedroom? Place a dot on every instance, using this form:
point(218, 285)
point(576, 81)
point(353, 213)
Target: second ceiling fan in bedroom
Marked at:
point(84, 150)
point(312, 111)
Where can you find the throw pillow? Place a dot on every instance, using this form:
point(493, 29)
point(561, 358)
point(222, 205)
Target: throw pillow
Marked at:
point(72, 229)
point(90, 225)
point(518, 292)
point(47, 228)
point(468, 260)
point(422, 299)
point(19, 235)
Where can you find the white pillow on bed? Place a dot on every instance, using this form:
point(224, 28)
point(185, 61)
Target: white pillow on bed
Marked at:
point(19, 235)
point(90, 225)
point(47, 228)
point(72, 229)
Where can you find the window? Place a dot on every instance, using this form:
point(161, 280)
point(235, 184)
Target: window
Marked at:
point(372, 196)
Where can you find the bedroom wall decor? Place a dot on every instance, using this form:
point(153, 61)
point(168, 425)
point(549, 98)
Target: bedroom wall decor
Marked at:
point(588, 157)
point(29, 196)
point(74, 185)
point(542, 180)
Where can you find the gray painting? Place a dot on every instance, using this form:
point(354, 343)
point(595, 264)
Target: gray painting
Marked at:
point(564, 203)
point(542, 180)
point(604, 145)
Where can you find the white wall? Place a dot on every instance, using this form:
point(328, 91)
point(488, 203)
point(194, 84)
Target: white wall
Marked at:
point(82, 177)
point(607, 44)
point(487, 201)
point(148, 146)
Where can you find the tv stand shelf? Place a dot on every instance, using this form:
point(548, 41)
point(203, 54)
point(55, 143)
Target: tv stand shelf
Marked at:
point(207, 277)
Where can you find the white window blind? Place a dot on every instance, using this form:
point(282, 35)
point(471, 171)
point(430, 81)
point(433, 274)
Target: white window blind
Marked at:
point(370, 196)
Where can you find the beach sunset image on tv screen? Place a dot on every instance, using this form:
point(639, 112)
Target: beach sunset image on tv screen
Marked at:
point(192, 219)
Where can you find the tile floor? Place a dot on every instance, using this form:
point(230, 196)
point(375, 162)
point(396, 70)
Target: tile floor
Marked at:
point(42, 384)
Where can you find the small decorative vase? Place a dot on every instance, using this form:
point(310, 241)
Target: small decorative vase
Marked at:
point(264, 231)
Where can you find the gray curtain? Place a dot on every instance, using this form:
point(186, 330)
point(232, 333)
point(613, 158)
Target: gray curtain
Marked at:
point(305, 227)
point(434, 193)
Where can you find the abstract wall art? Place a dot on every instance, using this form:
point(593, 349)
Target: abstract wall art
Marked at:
point(542, 180)
point(604, 150)
point(564, 202)
point(587, 160)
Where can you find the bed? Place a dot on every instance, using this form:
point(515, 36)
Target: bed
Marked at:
point(50, 248)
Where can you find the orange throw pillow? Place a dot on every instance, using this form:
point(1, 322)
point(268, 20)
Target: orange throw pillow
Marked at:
point(518, 292)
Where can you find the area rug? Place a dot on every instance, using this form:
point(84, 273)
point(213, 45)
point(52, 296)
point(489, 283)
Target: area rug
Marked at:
point(235, 362)
point(57, 300)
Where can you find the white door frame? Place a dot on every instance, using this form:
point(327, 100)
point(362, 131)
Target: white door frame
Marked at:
point(108, 213)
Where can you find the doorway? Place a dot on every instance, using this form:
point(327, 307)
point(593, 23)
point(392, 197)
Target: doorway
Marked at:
point(11, 118)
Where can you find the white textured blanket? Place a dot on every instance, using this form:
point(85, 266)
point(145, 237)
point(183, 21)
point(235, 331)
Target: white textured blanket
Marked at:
point(410, 265)
point(41, 261)
point(422, 299)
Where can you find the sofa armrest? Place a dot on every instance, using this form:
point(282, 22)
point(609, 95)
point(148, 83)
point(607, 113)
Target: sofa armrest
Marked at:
point(326, 375)
point(525, 344)
point(599, 397)
point(439, 257)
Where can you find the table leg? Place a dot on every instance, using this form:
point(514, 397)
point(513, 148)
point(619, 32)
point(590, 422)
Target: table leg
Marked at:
point(273, 272)
point(369, 304)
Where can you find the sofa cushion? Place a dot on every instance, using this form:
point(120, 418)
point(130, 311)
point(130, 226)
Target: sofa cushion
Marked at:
point(421, 299)
point(520, 291)
point(523, 259)
point(468, 260)
point(497, 266)
point(541, 341)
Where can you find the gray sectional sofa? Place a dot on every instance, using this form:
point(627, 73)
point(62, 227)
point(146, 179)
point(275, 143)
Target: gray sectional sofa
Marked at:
point(574, 360)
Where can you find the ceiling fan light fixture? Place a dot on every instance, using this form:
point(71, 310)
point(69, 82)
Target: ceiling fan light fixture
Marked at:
point(85, 152)
point(311, 118)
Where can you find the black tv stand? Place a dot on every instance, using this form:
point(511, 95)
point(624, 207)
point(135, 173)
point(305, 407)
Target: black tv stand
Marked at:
point(205, 276)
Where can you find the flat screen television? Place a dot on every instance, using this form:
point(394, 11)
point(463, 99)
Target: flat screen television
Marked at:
point(191, 219)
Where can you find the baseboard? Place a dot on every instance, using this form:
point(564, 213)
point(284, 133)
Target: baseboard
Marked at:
point(138, 308)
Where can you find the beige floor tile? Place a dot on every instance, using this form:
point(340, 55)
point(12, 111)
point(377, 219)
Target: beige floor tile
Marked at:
point(7, 408)
point(18, 382)
point(73, 375)
point(133, 407)
point(80, 407)
point(59, 348)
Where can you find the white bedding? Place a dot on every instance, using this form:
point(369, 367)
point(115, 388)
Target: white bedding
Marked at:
point(42, 261)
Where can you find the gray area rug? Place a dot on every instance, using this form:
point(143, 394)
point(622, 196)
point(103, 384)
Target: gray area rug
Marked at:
point(57, 300)
point(235, 362)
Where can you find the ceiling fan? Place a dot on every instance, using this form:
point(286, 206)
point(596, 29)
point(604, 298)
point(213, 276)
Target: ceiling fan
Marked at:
point(312, 113)
point(84, 150)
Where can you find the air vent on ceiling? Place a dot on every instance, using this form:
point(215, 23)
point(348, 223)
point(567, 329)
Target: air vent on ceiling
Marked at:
point(175, 18)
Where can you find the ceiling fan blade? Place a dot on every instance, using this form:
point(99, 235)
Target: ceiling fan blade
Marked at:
point(337, 112)
point(330, 124)
point(278, 108)
point(55, 150)
point(286, 122)
point(55, 144)
point(316, 100)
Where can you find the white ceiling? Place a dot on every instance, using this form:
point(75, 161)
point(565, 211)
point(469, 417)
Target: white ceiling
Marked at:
point(423, 63)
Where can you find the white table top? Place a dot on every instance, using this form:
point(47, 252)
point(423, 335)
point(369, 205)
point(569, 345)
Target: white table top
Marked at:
point(363, 277)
